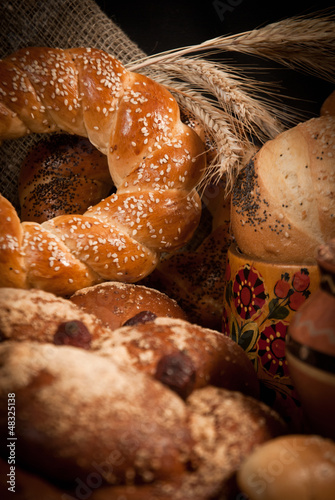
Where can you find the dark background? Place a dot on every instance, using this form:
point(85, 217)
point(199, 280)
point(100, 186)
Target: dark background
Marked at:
point(162, 25)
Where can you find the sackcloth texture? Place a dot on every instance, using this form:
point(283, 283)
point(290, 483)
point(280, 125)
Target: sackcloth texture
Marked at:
point(56, 23)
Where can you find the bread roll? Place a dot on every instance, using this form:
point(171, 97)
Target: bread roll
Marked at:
point(283, 205)
point(182, 355)
point(290, 467)
point(225, 427)
point(116, 303)
point(77, 412)
point(63, 174)
point(37, 315)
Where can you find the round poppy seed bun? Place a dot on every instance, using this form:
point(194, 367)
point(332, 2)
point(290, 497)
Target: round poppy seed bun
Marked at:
point(62, 174)
point(283, 205)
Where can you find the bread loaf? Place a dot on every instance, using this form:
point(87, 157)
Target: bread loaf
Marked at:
point(283, 205)
point(83, 430)
point(76, 412)
point(182, 355)
point(156, 163)
point(38, 315)
point(179, 354)
point(62, 175)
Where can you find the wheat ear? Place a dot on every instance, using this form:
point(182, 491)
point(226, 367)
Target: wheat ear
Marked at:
point(306, 43)
point(233, 94)
point(231, 145)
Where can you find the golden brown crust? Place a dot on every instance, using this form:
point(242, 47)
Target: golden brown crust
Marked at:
point(209, 357)
point(35, 315)
point(80, 416)
point(115, 303)
point(226, 426)
point(283, 205)
point(155, 161)
point(76, 411)
point(295, 466)
point(179, 354)
point(62, 174)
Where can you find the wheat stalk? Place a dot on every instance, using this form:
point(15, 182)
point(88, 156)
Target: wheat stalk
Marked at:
point(226, 103)
point(232, 94)
point(231, 145)
point(306, 43)
point(228, 114)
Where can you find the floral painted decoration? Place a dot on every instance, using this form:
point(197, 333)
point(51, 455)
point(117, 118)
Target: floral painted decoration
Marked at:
point(257, 313)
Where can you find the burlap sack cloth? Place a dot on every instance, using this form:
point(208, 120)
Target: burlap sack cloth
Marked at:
point(55, 23)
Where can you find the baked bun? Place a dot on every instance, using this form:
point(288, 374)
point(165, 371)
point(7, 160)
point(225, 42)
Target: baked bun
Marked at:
point(116, 303)
point(77, 412)
point(328, 107)
point(62, 174)
point(283, 204)
point(226, 427)
point(291, 467)
point(182, 355)
point(42, 317)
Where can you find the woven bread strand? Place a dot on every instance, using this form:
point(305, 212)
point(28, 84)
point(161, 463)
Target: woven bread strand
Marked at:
point(155, 161)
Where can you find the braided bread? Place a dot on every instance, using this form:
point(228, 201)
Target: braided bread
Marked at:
point(154, 159)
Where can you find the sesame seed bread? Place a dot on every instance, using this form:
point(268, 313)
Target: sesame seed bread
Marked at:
point(283, 205)
point(155, 161)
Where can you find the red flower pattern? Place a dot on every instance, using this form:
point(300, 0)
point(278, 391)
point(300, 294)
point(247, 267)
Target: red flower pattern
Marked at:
point(271, 349)
point(248, 292)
